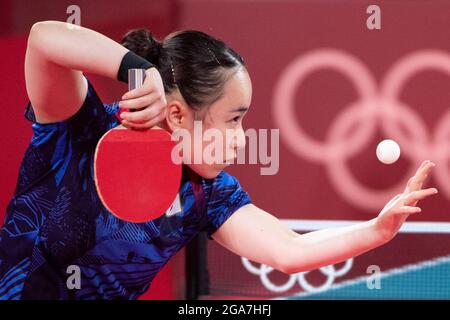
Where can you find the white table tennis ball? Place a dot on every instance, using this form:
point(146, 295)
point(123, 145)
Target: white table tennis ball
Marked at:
point(388, 151)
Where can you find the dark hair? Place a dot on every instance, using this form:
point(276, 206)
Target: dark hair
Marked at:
point(201, 63)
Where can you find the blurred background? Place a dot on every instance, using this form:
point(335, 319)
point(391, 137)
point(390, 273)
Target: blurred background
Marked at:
point(336, 78)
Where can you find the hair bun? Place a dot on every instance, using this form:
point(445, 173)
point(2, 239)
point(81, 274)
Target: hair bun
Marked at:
point(142, 42)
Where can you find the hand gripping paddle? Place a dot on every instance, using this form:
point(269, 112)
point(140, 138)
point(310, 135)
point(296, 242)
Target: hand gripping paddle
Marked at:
point(134, 174)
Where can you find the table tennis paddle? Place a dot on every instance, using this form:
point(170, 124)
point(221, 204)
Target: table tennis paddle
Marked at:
point(134, 174)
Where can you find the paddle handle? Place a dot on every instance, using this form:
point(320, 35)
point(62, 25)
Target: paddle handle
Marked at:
point(136, 79)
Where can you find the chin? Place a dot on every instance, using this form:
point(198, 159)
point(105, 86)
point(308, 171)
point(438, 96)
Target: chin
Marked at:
point(211, 175)
point(208, 172)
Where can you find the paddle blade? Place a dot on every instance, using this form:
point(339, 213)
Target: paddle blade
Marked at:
point(135, 177)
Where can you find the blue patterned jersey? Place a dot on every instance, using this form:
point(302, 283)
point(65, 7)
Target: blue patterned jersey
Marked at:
point(56, 225)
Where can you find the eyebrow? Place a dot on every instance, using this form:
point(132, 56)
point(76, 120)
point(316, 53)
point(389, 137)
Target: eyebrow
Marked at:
point(240, 109)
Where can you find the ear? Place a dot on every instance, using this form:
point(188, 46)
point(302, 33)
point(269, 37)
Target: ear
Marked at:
point(179, 115)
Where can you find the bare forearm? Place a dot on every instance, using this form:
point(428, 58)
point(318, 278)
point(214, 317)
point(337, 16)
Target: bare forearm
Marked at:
point(329, 246)
point(77, 48)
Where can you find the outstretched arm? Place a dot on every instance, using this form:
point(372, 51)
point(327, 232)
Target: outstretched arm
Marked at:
point(260, 237)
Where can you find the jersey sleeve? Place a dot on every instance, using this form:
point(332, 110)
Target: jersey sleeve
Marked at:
point(89, 123)
point(59, 147)
point(224, 196)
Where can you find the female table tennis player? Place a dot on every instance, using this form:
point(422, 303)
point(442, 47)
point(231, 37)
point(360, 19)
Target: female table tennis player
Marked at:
point(55, 218)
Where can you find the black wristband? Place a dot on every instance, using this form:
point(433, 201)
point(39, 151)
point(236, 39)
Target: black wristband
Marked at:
point(131, 61)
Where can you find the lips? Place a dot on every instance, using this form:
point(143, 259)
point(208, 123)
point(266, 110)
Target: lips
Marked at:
point(231, 160)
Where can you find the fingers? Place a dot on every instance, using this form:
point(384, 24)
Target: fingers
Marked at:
point(144, 115)
point(152, 84)
point(393, 200)
point(408, 210)
point(145, 106)
point(140, 101)
point(146, 89)
point(143, 110)
point(422, 173)
point(415, 196)
point(144, 125)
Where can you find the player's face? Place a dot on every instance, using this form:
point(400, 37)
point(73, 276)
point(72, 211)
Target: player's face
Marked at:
point(223, 120)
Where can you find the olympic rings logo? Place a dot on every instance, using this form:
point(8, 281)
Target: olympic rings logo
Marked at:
point(330, 272)
point(376, 106)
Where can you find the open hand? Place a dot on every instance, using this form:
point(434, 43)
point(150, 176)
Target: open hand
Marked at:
point(402, 205)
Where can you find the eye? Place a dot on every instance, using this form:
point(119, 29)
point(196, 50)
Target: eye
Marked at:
point(236, 119)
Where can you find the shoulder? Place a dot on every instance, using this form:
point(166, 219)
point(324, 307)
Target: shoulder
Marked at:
point(224, 179)
point(224, 188)
point(224, 196)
